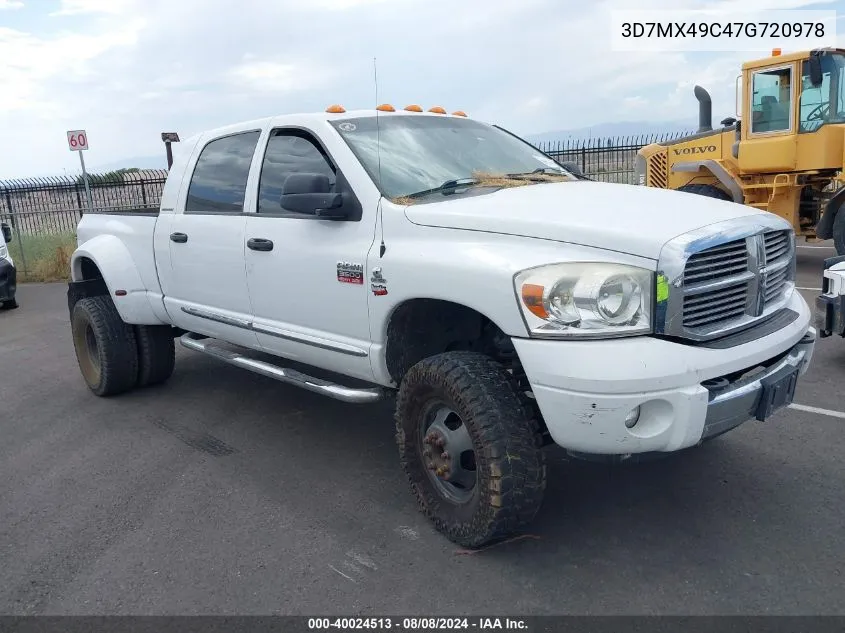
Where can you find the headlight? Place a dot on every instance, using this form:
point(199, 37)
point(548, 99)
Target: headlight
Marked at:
point(585, 300)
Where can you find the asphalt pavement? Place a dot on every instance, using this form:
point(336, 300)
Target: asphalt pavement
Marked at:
point(224, 492)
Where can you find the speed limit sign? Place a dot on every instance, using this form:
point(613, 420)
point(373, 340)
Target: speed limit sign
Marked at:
point(77, 140)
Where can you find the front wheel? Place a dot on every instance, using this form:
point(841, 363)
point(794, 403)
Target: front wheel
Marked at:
point(470, 447)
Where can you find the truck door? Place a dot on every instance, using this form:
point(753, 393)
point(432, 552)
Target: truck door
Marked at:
point(305, 274)
point(208, 291)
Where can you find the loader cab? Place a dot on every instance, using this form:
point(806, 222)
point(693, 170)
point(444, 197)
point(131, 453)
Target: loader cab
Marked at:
point(792, 105)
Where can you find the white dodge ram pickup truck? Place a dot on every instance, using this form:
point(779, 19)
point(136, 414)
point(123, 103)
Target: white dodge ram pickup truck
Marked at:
point(506, 302)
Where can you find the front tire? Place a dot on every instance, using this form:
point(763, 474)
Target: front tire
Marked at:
point(105, 346)
point(470, 447)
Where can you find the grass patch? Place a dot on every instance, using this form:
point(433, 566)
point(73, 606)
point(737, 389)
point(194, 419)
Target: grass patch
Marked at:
point(47, 256)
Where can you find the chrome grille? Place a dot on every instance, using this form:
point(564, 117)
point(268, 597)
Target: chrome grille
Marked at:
point(718, 287)
point(717, 263)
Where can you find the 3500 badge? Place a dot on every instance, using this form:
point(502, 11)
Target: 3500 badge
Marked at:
point(348, 273)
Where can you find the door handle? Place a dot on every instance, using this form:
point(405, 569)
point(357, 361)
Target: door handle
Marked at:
point(180, 238)
point(259, 244)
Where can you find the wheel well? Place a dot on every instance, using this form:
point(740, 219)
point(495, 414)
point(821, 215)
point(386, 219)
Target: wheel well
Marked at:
point(420, 328)
point(90, 282)
point(88, 270)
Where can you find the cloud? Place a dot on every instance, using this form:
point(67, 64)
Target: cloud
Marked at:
point(83, 7)
point(127, 70)
point(10, 4)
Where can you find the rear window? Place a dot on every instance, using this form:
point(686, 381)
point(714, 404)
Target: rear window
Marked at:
point(219, 180)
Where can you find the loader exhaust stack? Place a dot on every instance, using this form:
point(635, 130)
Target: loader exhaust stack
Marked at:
point(705, 108)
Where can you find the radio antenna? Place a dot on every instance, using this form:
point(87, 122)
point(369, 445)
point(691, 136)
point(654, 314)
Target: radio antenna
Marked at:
point(382, 247)
point(378, 127)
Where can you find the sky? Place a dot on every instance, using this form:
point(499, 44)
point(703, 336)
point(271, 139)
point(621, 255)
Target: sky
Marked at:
point(127, 70)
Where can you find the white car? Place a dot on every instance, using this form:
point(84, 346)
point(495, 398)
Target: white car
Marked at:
point(504, 301)
point(8, 273)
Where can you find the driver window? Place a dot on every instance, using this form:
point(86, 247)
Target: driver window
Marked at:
point(289, 152)
point(815, 101)
point(770, 103)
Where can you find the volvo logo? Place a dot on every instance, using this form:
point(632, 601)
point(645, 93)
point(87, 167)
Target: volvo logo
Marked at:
point(702, 149)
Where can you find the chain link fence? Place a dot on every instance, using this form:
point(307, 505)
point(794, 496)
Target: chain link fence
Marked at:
point(44, 212)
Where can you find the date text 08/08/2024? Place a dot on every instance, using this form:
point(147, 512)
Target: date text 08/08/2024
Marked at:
point(418, 624)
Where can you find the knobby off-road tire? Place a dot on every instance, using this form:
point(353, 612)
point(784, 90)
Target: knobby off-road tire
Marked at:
point(709, 191)
point(106, 349)
point(156, 354)
point(510, 473)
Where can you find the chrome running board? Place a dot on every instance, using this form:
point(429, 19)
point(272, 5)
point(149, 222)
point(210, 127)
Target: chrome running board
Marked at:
point(211, 347)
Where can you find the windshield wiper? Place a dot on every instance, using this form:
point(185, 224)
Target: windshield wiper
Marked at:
point(446, 187)
point(541, 170)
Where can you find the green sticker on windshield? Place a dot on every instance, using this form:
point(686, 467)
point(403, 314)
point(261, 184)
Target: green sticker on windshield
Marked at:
point(662, 288)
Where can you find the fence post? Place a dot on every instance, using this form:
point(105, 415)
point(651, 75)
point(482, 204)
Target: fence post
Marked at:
point(583, 159)
point(78, 198)
point(143, 193)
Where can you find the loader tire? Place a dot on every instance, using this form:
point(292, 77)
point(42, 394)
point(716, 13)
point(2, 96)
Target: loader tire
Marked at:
point(708, 191)
point(492, 483)
point(839, 231)
point(105, 346)
point(156, 354)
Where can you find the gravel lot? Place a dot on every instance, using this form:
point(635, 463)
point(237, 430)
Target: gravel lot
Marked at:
point(223, 492)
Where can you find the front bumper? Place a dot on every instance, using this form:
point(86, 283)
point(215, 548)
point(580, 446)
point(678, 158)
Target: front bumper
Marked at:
point(8, 280)
point(830, 305)
point(685, 394)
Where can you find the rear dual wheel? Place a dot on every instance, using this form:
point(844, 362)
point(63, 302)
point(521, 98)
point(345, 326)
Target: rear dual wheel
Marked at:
point(115, 357)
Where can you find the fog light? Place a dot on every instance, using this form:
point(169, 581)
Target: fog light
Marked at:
point(632, 418)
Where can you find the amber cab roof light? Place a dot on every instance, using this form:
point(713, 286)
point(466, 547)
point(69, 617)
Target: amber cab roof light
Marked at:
point(437, 110)
point(386, 107)
point(336, 109)
point(414, 108)
point(775, 52)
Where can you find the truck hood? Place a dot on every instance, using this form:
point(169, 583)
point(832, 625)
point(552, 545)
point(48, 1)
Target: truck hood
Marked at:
point(626, 218)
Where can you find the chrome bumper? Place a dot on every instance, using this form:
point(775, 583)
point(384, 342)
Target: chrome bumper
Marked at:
point(758, 395)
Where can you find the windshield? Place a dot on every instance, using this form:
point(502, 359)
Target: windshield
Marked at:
point(823, 103)
point(411, 154)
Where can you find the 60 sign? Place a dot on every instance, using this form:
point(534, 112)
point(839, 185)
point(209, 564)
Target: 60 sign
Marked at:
point(77, 140)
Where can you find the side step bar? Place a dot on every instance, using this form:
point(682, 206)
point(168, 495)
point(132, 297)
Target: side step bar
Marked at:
point(338, 392)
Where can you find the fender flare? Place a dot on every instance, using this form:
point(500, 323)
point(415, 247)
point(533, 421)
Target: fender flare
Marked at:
point(120, 273)
point(721, 174)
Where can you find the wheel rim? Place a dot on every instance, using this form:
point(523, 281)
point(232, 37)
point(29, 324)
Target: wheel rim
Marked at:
point(88, 353)
point(447, 453)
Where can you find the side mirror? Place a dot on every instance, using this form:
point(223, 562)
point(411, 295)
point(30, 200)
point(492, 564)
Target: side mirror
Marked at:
point(815, 67)
point(7, 232)
point(311, 193)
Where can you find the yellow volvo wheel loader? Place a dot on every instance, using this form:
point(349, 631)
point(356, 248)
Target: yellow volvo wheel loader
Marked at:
point(785, 153)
